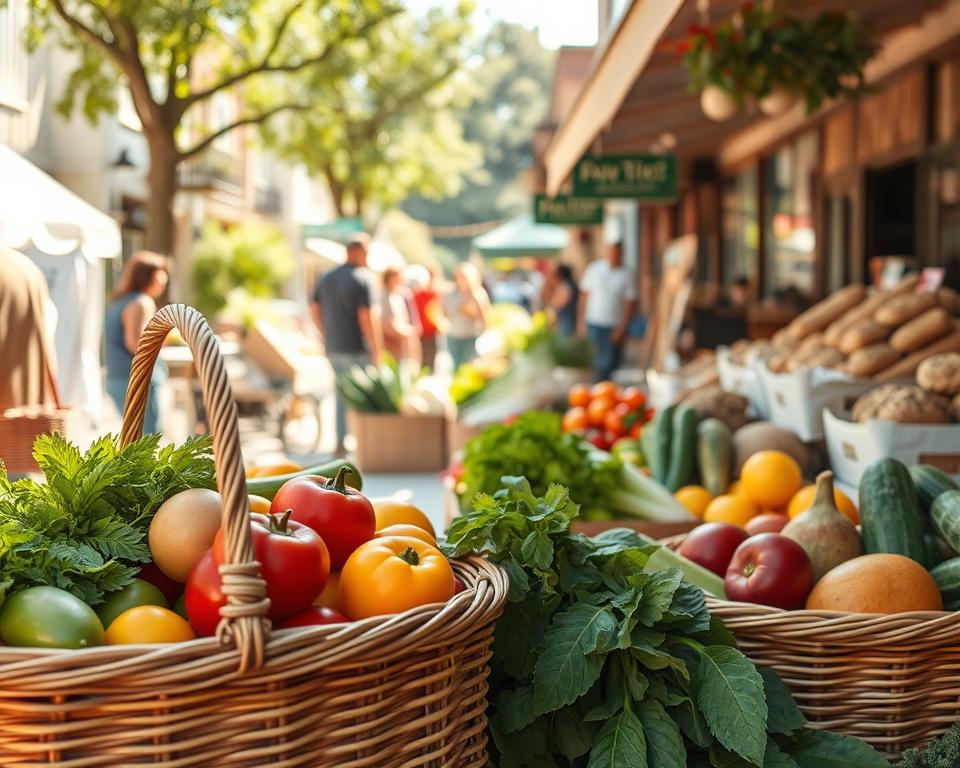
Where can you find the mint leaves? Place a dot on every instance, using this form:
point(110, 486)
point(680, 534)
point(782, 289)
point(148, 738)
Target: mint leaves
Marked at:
point(599, 664)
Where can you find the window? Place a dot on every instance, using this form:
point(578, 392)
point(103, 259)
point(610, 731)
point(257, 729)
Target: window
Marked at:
point(790, 238)
point(13, 56)
point(741, 227)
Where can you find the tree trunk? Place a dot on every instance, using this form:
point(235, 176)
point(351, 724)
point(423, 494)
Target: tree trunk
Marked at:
point(161, 189)
point(336, 192)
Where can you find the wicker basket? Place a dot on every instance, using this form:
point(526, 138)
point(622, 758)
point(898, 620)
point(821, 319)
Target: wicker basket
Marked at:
point(402, 691)
point(20, 427)
point(892, 680)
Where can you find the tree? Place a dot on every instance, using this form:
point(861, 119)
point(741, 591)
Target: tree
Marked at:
point(511, 72)
point(176, 55)
point(390, 132)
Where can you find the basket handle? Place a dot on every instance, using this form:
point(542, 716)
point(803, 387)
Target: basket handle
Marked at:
point(243, 617)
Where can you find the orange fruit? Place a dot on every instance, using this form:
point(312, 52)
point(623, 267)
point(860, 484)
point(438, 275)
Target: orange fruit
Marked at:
point(695, 498)
point(606, 390)
point(272, 470)
point(576, 419)
point(579, 396)
point(393, 512)
point(259, 504)
point(771, 478)
point(803, 498)
point(730, 508)
point(862, 585)
point(598, 408)
point(735, 487)
point(148, 624)
point(405, 529)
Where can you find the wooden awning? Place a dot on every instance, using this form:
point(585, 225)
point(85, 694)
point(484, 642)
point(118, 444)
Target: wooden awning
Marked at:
point(636, 98)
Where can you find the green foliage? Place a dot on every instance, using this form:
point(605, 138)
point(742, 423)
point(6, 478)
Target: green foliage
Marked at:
point(253, 258)
point(819, 58)
point(942, 752)
point(389, 131)
point(85, 527)
point(510, 72)
point(598, 664)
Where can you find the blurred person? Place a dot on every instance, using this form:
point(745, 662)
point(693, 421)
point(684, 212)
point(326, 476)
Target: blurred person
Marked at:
point(738, 294)
point(350, 331)
point(466, 310)
point(401, 331)
point(26, 351)
point(561, 295)
point(424, 282)
point(608, 298)
point(132, 305)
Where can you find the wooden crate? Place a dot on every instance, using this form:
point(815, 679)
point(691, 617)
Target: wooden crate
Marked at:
point(459, 434)
point(391, 442)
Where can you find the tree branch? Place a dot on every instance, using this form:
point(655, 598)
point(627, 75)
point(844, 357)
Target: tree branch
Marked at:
point(82, 30)
point(264, 66)
point(205, 142)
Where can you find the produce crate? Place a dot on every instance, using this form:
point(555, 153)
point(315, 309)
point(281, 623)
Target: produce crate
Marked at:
point(392, 442)
point(405, 690)
point(853, 446)
point(888, 679)
point(742, 380)
point(459, 434)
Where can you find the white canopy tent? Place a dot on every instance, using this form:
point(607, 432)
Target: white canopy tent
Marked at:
point(68, 239)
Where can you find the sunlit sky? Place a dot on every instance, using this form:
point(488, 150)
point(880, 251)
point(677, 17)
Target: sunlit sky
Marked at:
point(560, 22)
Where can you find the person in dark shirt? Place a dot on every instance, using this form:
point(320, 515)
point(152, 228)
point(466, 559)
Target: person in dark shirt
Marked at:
point(350, 330)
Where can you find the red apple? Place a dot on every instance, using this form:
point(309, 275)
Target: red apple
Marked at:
point(712, 545)
point(769, 569)
point(768, 522)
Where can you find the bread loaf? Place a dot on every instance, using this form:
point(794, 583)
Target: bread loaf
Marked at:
point(812, 342)
point(862, 333)
point(903, 403)
point(907, 367)
point(907, 284)
point(949, 299)
point(867, 361)
point(902, 309)
point(819, 316)
point(922, 330)
point(862, 311)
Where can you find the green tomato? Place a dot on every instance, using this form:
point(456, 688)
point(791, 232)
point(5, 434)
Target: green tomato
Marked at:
point(632, 457)
point(138, 592)
point(624, 444)
point(47, 617)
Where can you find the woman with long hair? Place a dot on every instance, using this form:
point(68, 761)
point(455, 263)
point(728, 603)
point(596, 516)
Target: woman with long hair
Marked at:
point(132, 304)
point(466, 308)
point(400, 327)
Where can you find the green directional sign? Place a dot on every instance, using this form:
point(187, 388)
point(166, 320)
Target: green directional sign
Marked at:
point(566, 209)
point(642, 177)
point(339, 230)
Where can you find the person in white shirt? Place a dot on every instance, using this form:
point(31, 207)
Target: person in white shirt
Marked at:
point(608, 298)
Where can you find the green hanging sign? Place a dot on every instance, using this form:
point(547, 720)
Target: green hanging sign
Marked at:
point(652, 178)
point(338, 230)
point(566, 209)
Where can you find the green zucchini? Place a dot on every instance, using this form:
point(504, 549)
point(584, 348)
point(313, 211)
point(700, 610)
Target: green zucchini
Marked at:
point(662, 431)
point(714, 455)
point(682, 447)
point(268, 486)
point(947, 576)
point(890, 516)
point(930, 482)
point(945, 516)
point(937, 550)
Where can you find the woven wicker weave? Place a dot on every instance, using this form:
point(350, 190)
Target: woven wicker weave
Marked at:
point(403, 691)
point(892, 680)
point(20, 427)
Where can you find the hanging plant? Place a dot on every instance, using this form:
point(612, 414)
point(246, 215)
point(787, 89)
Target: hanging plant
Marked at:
point(772, 57)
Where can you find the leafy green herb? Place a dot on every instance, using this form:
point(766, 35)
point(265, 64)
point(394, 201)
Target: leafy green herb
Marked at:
point(85, 528)
point(600, 664)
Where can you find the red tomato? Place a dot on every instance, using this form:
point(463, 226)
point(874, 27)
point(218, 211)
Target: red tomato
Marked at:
point(768, 522)
point(314, 616)
point(597, 410)
point(616, 420)
point(712, 545)
point(293, 561)
point(575, 420)
point(649, 414)
point(633, 397)
point(203, 598)
point(171, 589)
point(579, 396)
point(605, 389)
point(342, 516)
point(770, 569)
point(636, 429)
point(458, 585)
point(598, 439)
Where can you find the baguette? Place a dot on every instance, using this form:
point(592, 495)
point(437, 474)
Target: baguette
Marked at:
point(907, 284)
point(867, 361)
point(949, 299)
point(820, 315)
point(902, 309)
point(922, 330)
point(907, 367)
point(811, 342)
point(863, 311)
point(861, 334)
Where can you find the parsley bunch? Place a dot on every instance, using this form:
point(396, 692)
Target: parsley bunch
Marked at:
point(84, 528)
point(597, 663)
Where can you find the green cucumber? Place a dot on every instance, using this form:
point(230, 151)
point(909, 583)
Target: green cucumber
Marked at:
point(930, 482)
point(714, 455)
point(947, 576)
point(682, 447)
point(662, 431)
point(268, 486)
point(890, 516)
point(945, 516)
